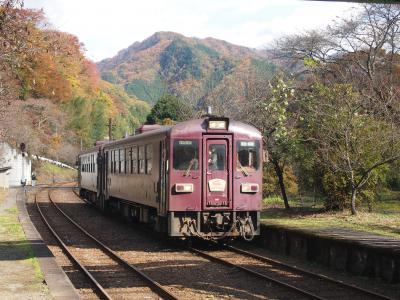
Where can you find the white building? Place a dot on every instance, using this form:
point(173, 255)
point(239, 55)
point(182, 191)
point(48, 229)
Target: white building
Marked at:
point(15, 167)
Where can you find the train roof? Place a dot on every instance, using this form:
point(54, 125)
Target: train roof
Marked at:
point(187, 129)
point(94, 149)
point(200, 126)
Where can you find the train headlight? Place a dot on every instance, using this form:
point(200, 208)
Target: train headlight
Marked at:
point(184, 187)
point(249, 187)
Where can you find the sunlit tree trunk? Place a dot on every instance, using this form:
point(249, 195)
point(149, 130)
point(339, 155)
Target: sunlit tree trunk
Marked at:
point(353, 201)
point(279, 173)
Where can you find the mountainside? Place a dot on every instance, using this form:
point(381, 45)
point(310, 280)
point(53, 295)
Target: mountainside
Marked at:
point(169, 62)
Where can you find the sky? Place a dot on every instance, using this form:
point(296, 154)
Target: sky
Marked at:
point(106, 27)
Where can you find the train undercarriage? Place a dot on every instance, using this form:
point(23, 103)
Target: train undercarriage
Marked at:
point(209, 225)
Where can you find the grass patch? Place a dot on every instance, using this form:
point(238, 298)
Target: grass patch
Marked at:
point(13, 240)
point(308, 213)
point(48, 173)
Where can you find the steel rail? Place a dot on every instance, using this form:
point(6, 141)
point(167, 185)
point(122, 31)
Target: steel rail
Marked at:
point(254, 273)
point(303, 271)
point(154, 285)
point(98, 286)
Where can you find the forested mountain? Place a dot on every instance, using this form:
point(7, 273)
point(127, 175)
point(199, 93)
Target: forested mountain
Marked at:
point(51, 96)
point(170, 63)
point(55, 100)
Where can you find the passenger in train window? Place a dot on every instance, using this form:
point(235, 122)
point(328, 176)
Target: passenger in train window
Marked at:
point(216, 157)
point(212, 159)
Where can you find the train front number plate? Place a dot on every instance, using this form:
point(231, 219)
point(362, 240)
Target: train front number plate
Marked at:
point(217, 185)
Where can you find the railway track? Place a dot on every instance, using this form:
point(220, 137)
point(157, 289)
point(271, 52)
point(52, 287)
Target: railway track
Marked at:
point(306, 283)
point(274, 291)
point(304, 272)
point(111, 275)
point(298, 281)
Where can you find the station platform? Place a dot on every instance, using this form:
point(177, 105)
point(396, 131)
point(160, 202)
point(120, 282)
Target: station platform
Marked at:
point(57, 281)
point(359, 253)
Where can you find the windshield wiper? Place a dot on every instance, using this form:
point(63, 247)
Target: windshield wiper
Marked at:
point(190, 166)
point(242, 169)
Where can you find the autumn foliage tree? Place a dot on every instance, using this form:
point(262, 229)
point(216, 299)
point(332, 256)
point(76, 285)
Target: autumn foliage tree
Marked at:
point(39, 62)
point(348, 89)
point(351, 143)
point(268, 109)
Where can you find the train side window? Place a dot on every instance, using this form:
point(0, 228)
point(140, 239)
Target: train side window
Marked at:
point(134, 161)
point(186, 155)
point(149, 158)
point(108, 161)
point(115, 161)
point(248, 156)
point(122, 160)
point(112, 161)
point(141, 160)
point(128, 154)
point(119, 161)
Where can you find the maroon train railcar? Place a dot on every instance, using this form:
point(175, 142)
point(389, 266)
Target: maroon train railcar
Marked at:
point(197, 178)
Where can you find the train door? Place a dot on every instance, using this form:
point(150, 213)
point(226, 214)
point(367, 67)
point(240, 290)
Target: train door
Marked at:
point(161, 186)
point(217, 187)
point(99, 171)
point(107, 168)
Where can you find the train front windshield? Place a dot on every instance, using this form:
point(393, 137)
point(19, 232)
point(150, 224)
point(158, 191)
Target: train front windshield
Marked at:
point(186, 155)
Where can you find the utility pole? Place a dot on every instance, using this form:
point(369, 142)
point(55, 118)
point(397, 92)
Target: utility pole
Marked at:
point(110, 129)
